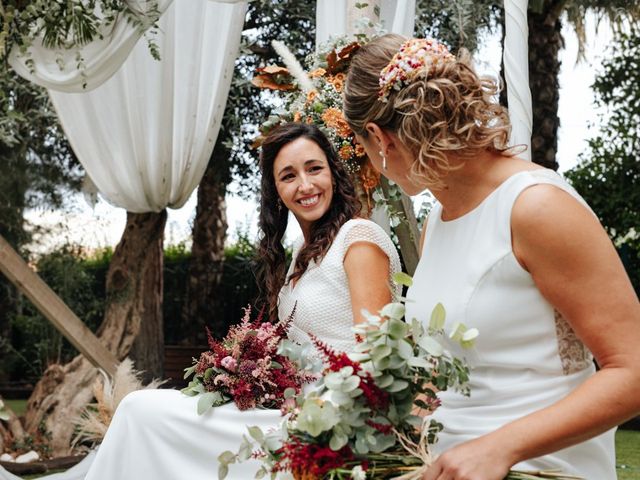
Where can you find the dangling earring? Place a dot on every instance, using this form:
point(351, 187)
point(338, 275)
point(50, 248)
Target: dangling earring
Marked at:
point(279, 205)
point(384, 160)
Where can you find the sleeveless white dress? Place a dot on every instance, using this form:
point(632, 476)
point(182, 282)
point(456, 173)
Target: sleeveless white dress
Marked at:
point(526, 356)
point(158, 434)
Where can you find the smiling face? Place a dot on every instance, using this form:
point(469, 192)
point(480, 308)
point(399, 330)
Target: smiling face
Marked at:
point(304, 181)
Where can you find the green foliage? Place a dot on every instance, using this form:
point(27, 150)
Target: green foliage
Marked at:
point(69, 24)
point(32, 343)
point(290, 21)
point(608, 176)
point(460, 23)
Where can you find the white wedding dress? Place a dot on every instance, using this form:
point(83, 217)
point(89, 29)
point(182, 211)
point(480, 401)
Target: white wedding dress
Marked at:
point(158, 434)
point(526, 357)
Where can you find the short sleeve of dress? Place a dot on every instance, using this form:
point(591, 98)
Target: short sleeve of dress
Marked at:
point(361, 230)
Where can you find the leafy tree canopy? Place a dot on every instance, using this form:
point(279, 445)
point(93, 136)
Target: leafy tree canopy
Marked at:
point(38, 166)
point(609, 174)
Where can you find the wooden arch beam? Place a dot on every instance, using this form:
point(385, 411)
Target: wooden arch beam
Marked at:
point(54, 309)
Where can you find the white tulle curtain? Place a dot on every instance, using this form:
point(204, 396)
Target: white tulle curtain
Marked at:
point(145, 134)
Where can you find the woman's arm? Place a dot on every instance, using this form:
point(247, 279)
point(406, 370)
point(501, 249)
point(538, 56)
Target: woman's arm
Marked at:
point(367, 268)
point(576, 268)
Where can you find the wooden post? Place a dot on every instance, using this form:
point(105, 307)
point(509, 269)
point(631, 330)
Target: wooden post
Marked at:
point(54, 309)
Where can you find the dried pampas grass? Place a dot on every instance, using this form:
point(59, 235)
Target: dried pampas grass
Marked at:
point(109, 392)
point(293, 65)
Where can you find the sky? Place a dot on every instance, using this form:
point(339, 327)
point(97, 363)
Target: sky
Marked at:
point(102, 225)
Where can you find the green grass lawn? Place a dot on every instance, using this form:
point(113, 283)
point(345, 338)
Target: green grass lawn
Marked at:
point(628, 454)
point(627, 447)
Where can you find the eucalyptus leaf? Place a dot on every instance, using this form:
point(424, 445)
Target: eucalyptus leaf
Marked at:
point(469, 337)
point(223, 471)
point(405, 350)
point(398, 329)
point(350, 384)
point(256, 433)
point(338, 441)
point(432, 346)
point(384, 381)
point(227, 457)
point(189, 371)
point(438, 316)
point(380, 351)
point(457, 331)
point(398, 385)
point(206, 401)
point(402, 278)
point(393, 310)
point(418, 362)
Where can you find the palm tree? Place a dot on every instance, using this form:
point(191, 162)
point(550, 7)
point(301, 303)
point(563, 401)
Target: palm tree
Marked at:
point(545, 42)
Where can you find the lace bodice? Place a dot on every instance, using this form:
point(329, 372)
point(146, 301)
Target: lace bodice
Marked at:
point(321, 295)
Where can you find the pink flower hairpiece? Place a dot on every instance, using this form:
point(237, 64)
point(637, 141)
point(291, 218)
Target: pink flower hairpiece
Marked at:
point(415, 55)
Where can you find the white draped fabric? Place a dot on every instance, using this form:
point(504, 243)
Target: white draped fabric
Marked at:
point(516, 71)
point(57, 69)
point(145, 136)
point(332, 17)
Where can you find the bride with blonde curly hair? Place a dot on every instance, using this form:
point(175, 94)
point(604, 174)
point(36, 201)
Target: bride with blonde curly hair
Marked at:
point(512, 250)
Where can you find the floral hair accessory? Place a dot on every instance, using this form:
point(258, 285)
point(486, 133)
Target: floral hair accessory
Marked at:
point(415, 55)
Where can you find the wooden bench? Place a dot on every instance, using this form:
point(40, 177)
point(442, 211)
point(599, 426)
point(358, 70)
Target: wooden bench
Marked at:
point(176, 359)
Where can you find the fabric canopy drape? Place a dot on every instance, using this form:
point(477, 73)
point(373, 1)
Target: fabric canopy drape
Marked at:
point(332, 17)
point(145, 136)
point(516, 71)
point(57, 69)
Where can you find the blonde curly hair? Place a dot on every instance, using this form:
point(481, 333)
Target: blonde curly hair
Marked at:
point(450, 110)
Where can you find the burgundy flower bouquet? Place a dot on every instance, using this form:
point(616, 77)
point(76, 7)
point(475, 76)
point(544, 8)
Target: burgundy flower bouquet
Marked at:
point(246, 367)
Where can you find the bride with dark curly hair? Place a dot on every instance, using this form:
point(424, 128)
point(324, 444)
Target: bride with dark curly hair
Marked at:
point(341, 265)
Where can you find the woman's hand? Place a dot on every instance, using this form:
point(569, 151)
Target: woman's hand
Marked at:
point(479, 459)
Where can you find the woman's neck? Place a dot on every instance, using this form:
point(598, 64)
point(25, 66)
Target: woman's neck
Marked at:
point(473, 179)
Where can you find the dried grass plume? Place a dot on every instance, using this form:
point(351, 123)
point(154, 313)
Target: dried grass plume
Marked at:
point(109, 392)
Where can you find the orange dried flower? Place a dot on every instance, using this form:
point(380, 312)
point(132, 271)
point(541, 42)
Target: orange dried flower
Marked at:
point(297, 116)
point(311, 96)
point(318, 72)
point(346, 152)
point(360, 152)
point(337, 83)
point(333, 118)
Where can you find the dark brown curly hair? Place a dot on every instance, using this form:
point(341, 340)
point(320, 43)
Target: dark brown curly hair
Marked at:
point(273, 221)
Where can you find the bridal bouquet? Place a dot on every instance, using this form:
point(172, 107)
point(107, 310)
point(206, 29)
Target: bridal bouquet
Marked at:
point(369, 415)
point(247, 367)
point(362, 419)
